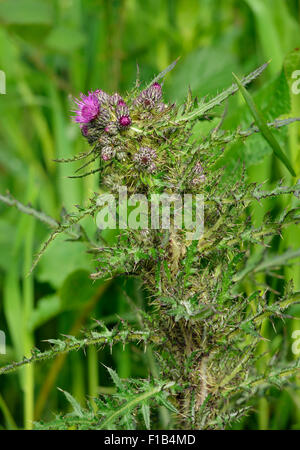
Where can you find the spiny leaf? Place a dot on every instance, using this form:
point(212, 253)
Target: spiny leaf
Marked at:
point(204, 108)
point(164, 72)
point(146, 414)
point(262, 125)
point(77, 408)
point(128, 406)
point(116, 379)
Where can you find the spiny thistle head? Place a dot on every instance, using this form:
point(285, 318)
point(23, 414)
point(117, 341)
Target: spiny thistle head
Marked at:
point(145, 158)
point(116, 128)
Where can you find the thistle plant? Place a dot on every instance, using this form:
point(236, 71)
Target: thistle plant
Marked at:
point(202, 326)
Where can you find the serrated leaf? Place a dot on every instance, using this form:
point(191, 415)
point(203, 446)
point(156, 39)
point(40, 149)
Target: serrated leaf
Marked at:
point(204, 108)
point(166, 403)
point(76, 406)
point(116, 379)
point(164, 72)
point(262, 125)
point(128, 406)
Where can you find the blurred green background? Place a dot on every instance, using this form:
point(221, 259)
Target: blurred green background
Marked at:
point(51, 50)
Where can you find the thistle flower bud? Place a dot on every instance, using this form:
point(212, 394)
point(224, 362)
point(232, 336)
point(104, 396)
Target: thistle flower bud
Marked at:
point(155, 92)
point(104, 140)
point(103, 117)
point(152, 168)
point(103, 97)
point(198, 169)
point(161, 107)
point(124, 121)
point(144, 158)
point(121, 156)
point(90, 132)
point(150, 97)
point(115, 99)
point(111, 128)
point(199, 172)
point(107, 153)
point(122, 110)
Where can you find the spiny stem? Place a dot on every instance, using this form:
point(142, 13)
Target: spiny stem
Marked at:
point(69, 346)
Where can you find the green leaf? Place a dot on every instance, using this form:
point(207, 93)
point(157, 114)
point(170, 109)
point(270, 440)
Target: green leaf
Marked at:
point(146, 414)
point(128, 406)
point(208, 70)
point(77, 289)
point(219, 99)
point(61, 259)
point(47, 308)
point(262, 125)
point(76, 406)
point(116, 379)
point(164, 72)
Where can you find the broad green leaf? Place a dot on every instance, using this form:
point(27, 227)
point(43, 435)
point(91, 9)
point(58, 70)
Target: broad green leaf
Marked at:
point(47, 308)
point(61, 259)
point(262, 125)
point(77, 289)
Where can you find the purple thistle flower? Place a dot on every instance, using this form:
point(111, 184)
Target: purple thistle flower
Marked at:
point(88, 108)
